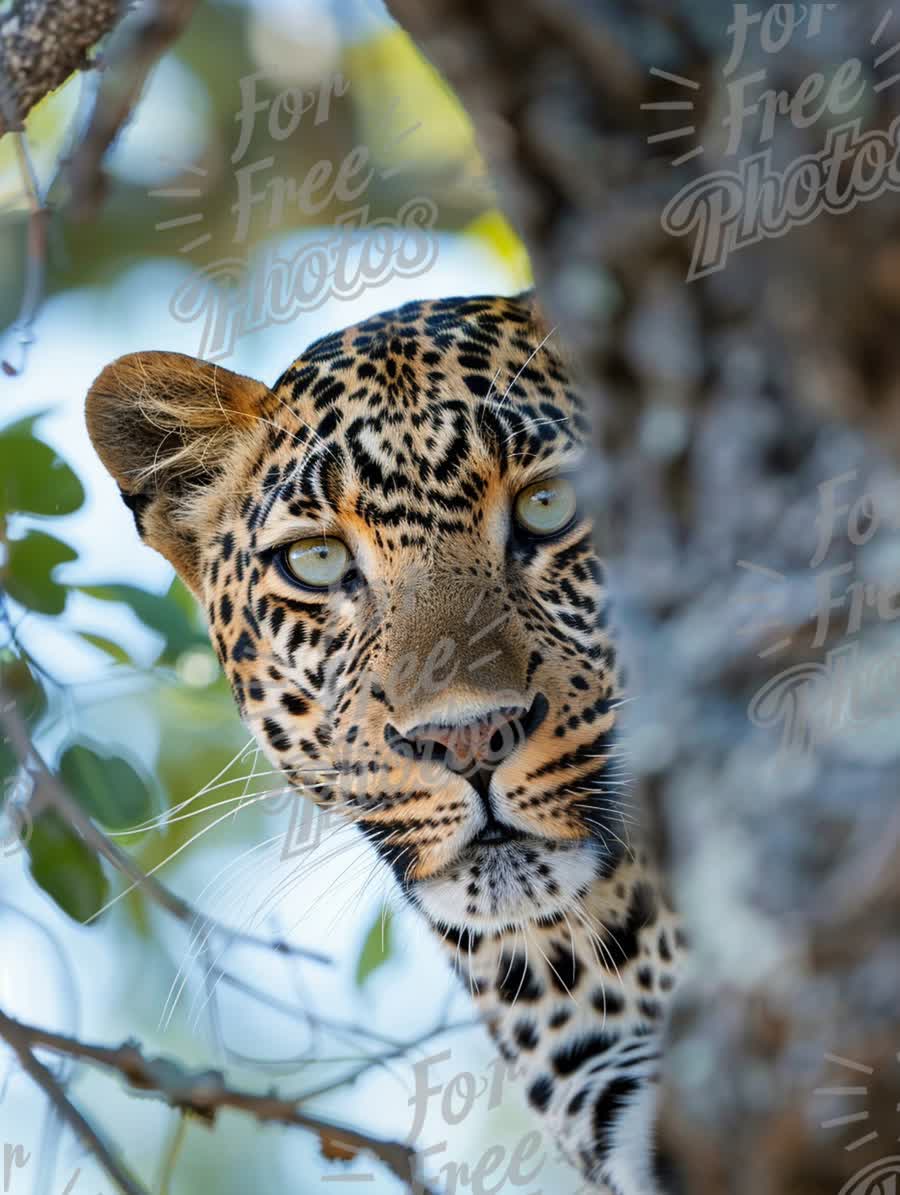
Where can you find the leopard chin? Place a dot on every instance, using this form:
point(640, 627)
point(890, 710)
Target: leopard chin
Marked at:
point(495, 885)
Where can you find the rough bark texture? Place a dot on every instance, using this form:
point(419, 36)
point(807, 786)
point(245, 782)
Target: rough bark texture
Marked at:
point(41, 43)
point(722, 405)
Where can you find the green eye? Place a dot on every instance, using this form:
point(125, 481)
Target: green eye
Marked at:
point(546, 506)
point(318, 562)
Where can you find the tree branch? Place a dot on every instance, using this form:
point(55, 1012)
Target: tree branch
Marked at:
point(55, 793)
point(135, 48)
point(203, 1093)
point(41, 43)
point(20, 1040)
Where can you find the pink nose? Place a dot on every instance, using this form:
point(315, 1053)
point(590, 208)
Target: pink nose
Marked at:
point(475, 740)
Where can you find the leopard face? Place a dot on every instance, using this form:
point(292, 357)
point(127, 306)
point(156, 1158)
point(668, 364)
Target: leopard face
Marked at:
point(411, 617)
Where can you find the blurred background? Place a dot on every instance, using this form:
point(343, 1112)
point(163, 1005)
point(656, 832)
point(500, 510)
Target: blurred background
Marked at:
point(216, 182)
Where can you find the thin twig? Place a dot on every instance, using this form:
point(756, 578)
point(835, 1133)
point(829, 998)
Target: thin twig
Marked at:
point(172, 1151)
point(71, 811)
point(38, 220)
point(398, 1051)
point(135, 48)
point(203, 1093)
point(21, 1040)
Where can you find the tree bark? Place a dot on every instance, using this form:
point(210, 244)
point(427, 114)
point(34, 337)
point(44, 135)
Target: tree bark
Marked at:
point(722, 406)
point(41, 43)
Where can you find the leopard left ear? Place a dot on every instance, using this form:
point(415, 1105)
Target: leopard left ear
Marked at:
point(165, 426)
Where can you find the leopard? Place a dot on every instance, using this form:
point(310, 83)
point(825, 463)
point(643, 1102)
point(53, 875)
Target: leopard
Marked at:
point(404, 592)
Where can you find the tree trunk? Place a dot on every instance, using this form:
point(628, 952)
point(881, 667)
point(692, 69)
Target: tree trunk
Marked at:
point(737, 415)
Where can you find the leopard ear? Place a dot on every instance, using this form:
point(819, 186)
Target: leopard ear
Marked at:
point(166, 425)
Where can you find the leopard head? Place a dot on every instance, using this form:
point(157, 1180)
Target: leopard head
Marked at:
point(400, 588)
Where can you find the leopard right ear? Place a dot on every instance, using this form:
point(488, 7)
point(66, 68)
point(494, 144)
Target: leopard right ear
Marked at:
point(166, 425)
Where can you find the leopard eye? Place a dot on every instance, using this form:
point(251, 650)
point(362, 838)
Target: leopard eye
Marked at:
point(317, 562)
point(546, 506)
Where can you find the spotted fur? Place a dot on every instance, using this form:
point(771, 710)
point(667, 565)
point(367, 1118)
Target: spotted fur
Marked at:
point(408, 437)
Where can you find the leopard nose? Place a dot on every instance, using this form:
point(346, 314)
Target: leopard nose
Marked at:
point(478, 742)
point(481, 740)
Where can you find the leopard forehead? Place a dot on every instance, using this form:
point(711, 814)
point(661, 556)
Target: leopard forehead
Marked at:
point(401, 421)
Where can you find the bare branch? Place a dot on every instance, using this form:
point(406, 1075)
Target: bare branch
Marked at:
point(36, 252)
point(136, 47)
point(205, 1094)
point(19, 1038)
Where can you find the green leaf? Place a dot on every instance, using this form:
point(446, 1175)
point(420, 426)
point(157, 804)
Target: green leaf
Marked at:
point(118, 653)
point(9, 765)
point(20, 683)
point(106, 787)
point(66, 868)
point(160, 614)
point(29, 571)
point(377, 947)
point(33, 478)
point(24, 426)
point(17, 682)
point(182, 597)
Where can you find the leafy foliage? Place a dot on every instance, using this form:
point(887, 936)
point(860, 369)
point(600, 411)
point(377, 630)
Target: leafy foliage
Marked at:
point(35, 483)
point(66, 868)
point(33, 478)
point(106, 787)
point(18, 685)
point(161, 614)
point(377, 947)
point(31, 564)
